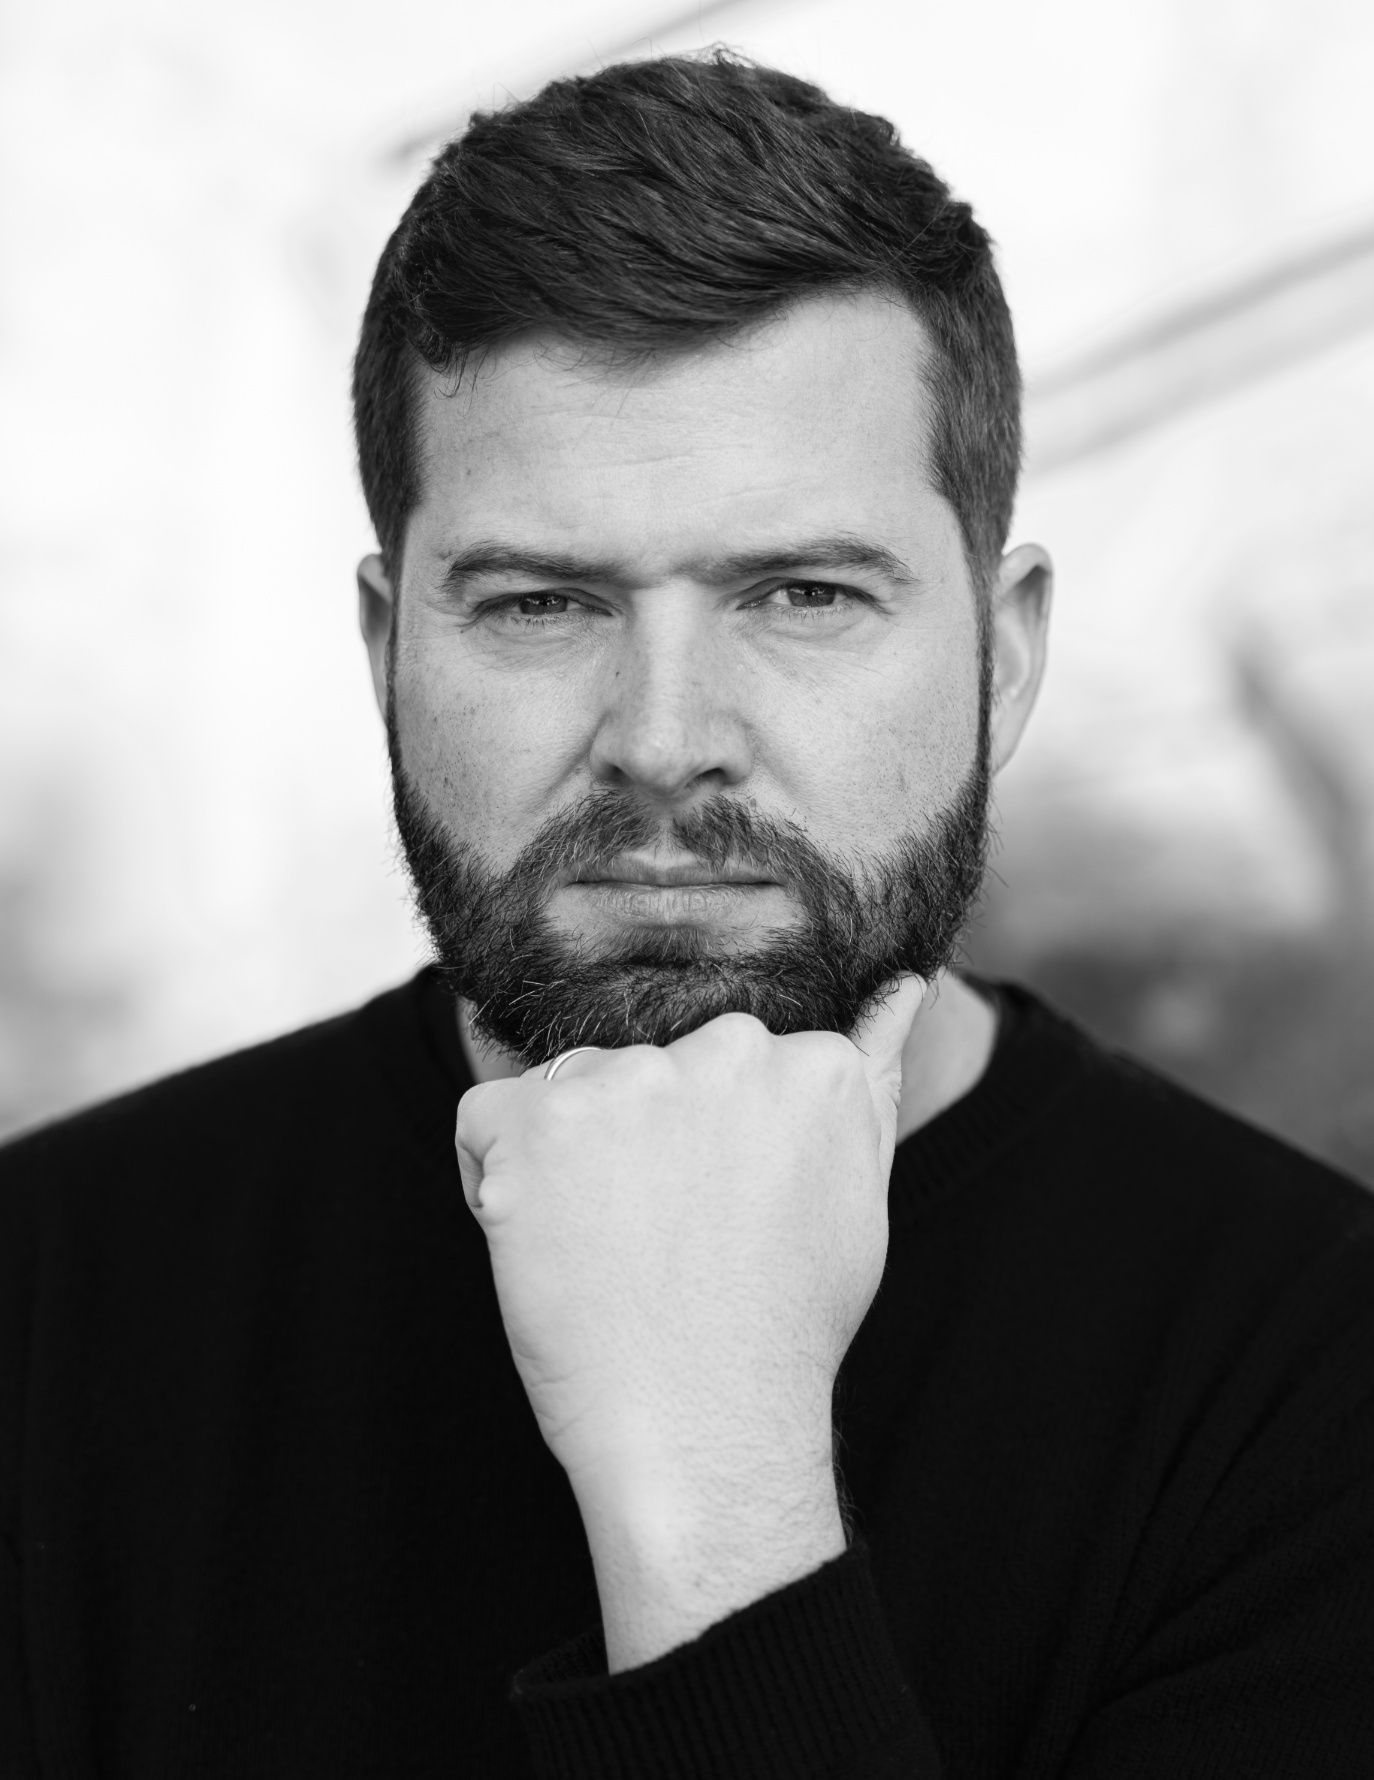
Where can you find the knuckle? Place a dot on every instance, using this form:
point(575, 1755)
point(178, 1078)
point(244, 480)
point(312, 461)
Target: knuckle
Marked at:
point(833, 1056)
point(469, 1102)
point(473, 1108)
point(741, 1032)
point(551, 1112)
point(643, 1067)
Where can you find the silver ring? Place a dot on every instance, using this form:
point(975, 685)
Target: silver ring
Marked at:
point(551, 1069)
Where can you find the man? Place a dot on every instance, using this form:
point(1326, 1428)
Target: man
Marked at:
point(808, 1361)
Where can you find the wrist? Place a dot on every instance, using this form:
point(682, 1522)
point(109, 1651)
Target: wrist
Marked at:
point(670, 1561)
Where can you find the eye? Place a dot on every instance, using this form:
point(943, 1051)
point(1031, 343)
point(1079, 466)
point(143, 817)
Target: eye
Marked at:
point(803, 599)
point(535, 611)
point(810, 595)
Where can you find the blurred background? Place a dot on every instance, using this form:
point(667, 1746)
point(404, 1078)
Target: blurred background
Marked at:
point(194, 838)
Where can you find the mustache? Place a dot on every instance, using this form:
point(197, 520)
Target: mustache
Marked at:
point(594, 833)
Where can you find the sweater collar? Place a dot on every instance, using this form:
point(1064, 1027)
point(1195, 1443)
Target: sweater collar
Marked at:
point(1033, 1060)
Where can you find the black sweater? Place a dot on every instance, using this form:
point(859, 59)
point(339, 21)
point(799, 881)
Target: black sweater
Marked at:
point(272, 1502)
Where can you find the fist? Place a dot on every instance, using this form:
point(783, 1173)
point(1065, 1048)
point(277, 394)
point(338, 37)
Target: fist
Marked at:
point(684, 1242)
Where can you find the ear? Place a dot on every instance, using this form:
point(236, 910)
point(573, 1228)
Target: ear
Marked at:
point(1020, 623)
point(376, 612)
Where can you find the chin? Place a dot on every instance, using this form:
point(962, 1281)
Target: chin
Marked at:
point(670, 943)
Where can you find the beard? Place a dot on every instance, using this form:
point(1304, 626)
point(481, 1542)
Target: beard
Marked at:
point(535, 992)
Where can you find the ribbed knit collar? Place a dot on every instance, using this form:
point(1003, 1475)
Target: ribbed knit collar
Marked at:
point(1036, 1056)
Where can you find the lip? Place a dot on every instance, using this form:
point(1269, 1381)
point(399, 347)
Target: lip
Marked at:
point(674, 875)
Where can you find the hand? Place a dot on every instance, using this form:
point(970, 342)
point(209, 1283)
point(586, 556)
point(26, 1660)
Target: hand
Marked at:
point(684, 1242)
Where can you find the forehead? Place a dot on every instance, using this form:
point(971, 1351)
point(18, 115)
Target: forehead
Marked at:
point(821, 414)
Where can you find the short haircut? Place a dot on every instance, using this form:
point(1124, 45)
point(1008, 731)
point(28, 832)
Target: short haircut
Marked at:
point(661, 204)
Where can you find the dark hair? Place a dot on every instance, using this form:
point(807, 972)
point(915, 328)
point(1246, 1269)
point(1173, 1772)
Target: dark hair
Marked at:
point(661, 203)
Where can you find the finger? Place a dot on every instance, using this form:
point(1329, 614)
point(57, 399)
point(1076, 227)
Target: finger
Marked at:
point(470, 1171)
point(573, 1060)
point(478, 1124)
point(881, 1035)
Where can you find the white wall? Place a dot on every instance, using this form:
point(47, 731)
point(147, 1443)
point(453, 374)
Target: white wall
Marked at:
point(194, 847)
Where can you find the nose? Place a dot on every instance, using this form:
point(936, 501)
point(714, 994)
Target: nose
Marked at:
point(670, 724)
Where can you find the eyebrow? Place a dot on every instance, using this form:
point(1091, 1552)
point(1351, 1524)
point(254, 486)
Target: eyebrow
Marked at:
point(836, 552)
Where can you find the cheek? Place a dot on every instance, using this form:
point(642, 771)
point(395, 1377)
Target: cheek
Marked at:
point(476, 759)
point(891, 757)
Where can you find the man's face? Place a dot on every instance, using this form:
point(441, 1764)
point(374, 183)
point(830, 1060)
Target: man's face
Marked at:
point(684, 682)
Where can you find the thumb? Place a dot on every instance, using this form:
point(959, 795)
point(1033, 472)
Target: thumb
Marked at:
point(880, 1038)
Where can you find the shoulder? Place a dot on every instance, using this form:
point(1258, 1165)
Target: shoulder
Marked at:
point(260, 1108)
point(1198, 1277)
point(1112, 1114)
point(1238, 1241)
point(1152, 1206)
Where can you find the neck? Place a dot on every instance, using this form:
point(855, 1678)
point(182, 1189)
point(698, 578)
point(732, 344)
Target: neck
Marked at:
point(950, 1045)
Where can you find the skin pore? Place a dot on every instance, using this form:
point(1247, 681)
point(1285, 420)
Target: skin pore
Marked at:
point(720, 572)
